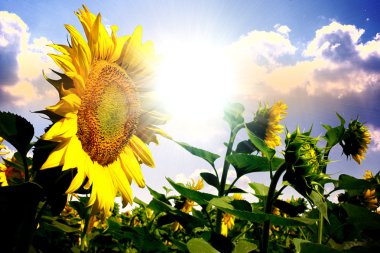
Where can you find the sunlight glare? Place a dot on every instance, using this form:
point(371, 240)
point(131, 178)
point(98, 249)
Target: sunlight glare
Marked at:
point(195, 80)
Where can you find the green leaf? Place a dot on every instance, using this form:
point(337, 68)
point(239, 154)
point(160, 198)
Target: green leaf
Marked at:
point(206, 155)
point(303, 246)
point(246, 163)
point(334, 134)
point(233, 115)
point(260, 217)
point(260, 189)
point(199, 197)
point(244, 246)
point(158, 195)
point(211, 179)
point(351, 183)
point(17, 131)
point(139, 202)
point(320, 202)
point(245, 147)
point(362, 218)
point(198, 245)
point(261, 145)
point(234, 189)
point(64, 227)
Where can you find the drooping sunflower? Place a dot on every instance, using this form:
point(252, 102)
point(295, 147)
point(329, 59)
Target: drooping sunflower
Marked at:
point(107, 113)
point(356, 140)
point(266, 125)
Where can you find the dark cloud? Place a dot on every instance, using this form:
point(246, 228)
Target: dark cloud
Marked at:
point(340, 47)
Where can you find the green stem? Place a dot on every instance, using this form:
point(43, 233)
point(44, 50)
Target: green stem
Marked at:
point(226, 166)
point(269, 206)
point(84, 232)
point(204, 211)
point(321, 190)
point(26, 169)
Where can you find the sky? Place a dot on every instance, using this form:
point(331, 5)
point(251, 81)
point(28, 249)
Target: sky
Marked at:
point(319, 57)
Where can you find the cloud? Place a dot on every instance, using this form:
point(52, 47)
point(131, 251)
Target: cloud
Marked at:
point(21, 62)
point(375, 138)
point(334, 62)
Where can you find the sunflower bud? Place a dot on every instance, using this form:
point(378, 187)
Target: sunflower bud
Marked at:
point(304, 160)
point(355, 141)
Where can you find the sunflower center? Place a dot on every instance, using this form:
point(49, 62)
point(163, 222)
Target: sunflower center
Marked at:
point(109, 112)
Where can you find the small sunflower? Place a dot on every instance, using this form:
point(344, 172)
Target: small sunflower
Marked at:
point(3, 175)
point(368, 175)
point(3, 147)
point(356, 140)
point(228, 220)
point(185, 204)
point(370, 199)
point(107, 110)
point(266, 123)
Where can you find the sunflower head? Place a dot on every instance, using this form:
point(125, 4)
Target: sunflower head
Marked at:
point(356, 140)
point(370, 199)
point(3, 149)
point(368, 175)
point(228, 221)
point(304, 161)
point(108, 110)
point(266, 125)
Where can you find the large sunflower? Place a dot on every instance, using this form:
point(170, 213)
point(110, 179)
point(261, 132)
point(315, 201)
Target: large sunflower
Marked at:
point(107, 110)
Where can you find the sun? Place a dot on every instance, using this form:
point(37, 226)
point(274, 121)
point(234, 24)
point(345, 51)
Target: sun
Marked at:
point(195, 80)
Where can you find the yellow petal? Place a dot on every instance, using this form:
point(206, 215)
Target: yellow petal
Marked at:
point(131, 166)
point(122, 184)
point(62, 129)
point(74, 154)
point(141, 150)
point(56, 157)
point(67, 104)
point(64, 62)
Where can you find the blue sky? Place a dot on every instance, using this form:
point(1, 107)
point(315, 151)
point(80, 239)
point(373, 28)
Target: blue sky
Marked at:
point(320, 57)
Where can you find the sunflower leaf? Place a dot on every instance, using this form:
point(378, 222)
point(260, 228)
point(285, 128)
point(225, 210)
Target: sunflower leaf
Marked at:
point(196, 245)
point(199, 197)
point(246, 163)
point(334, 134)
point(233, 115)
point(17, 131)
point(210, 178)
point(261, 145)
point(206, 155)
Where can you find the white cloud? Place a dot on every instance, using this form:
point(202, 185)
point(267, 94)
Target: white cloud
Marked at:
point(22, 62)
point(335, 62)
point(24, 91)
point(375, 138)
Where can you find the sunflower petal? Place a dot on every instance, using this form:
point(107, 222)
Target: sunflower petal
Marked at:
point(122, 184)
point(56, 157)
point(131, 166)
point(67, 104)
point(62, 129)
point(141, 150)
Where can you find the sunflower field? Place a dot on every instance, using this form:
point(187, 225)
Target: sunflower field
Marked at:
point(61, 198)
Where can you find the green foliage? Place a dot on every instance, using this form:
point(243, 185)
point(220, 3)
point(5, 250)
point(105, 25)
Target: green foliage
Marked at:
point(17, 131)
point(206, 155)
point(233, 115)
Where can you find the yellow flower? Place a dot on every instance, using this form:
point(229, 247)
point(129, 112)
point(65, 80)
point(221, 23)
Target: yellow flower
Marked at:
point(370, 199)
point(266, 123)
point(228, 221)
point(368, 175)
point(187, 205)
point(3, 176)
point(355, 141)
point(108, 111)
point(2, 146)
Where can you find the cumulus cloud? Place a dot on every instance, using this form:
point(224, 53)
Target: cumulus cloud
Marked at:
point(21, 61)
point(335, 62)
point(375, 138)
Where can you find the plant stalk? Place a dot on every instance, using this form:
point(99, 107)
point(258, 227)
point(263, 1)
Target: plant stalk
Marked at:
point(269, 205)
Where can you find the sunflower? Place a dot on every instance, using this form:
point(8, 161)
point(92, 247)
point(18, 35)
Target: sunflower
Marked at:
point(266, 123)
point(356, 140)
point(3, 147)
point(107, 113)
point(228, 220)
point(368, 175)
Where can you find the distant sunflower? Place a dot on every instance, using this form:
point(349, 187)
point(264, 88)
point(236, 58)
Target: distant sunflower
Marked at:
point(356, 140)
point(3, 149)
point(107, 108)
point(266, 123)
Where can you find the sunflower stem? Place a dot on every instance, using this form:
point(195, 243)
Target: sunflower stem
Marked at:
point(87, 218)
point(321, 190)
point(269, 205)
point(26, 169)
point(226, 166)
